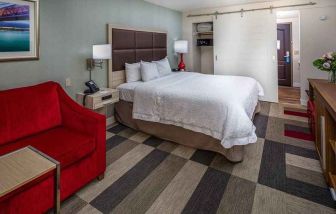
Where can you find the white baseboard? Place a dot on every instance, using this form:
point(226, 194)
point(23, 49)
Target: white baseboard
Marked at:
point(297, 84)
point(110, 121)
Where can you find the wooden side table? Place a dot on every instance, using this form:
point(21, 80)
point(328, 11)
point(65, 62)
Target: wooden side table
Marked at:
point(99, 101)
point(23, 166)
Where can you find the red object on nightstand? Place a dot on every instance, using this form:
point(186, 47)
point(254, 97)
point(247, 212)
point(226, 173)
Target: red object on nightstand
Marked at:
point(181, 66)
point(181, 47)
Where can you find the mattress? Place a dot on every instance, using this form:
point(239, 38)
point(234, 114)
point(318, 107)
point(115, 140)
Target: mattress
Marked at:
point(219, 106)
point(126, 91)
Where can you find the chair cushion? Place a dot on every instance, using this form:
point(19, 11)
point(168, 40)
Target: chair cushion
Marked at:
point(62, 144)
point(27, 111)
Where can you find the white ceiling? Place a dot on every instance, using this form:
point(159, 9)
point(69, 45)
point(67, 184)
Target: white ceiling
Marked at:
point(188, 5)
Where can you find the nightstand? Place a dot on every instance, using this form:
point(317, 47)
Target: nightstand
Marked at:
point(100, 101)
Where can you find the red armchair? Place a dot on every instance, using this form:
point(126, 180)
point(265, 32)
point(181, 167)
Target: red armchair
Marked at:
point(45, 117)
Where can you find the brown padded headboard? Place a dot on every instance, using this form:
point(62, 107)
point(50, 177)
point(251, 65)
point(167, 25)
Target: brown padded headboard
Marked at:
point(130, 46)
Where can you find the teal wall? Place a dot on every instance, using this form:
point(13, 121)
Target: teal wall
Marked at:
point(69, 28)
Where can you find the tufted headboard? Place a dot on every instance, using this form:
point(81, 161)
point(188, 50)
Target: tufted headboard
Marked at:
point(131, 45)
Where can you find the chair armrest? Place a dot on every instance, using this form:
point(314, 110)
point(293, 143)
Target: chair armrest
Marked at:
point(78, 118)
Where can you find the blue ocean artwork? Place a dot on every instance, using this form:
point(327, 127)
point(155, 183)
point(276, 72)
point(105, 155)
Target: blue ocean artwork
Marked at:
point(14, 28)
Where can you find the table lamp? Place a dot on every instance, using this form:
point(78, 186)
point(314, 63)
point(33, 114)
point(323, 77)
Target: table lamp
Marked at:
point(181, 47)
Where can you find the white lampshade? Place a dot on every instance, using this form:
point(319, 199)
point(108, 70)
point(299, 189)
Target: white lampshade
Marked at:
point(181, 46)
point(102, 51)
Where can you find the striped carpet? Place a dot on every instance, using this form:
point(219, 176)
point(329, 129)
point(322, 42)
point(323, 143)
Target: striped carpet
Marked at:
point(299, 132)
point(144, 174)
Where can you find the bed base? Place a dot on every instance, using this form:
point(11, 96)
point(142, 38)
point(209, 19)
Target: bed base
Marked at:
point(123, 114)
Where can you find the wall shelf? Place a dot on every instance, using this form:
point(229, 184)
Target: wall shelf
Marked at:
point(202, 56)
point(204, 33)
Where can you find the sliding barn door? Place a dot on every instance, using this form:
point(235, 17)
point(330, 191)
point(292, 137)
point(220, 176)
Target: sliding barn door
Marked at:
point(246, 46)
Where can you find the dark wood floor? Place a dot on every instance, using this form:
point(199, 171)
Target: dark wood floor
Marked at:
point(289, 95)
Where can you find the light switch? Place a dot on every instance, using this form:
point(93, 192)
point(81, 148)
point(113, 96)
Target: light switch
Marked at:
point(68, 82)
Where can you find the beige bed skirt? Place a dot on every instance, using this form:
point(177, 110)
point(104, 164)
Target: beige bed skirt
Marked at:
point(123, 114)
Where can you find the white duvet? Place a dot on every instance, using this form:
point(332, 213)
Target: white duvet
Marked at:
point(218, 106)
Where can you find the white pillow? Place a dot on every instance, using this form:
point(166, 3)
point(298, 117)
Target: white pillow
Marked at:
point(163, 67)
point(149, 71)
point(132, 72)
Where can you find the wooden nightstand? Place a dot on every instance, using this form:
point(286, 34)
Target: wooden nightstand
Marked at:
point(99, 102)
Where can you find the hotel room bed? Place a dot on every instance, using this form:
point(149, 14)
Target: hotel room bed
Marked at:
point(202, 111)
point(199, 111)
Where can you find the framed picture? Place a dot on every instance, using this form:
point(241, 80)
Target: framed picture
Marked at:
point(19, 30)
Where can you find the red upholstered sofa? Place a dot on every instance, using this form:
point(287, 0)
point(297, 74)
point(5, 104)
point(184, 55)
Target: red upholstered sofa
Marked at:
point(45, 117)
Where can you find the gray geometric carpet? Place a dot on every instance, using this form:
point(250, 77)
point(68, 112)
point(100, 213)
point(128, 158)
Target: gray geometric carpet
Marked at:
point(147, 175)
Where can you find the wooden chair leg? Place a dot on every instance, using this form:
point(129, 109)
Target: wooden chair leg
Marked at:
point(101, 177)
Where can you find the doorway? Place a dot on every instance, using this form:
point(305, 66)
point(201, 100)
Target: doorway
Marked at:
point(284, 46)
point(288, 50)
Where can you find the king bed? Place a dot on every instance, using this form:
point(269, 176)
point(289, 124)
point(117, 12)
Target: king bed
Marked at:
point(206, 112)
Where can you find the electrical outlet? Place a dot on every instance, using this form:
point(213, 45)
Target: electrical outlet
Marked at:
point(68, 82)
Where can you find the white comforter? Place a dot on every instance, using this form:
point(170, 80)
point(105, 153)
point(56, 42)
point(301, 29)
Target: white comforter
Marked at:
point(218, 106)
